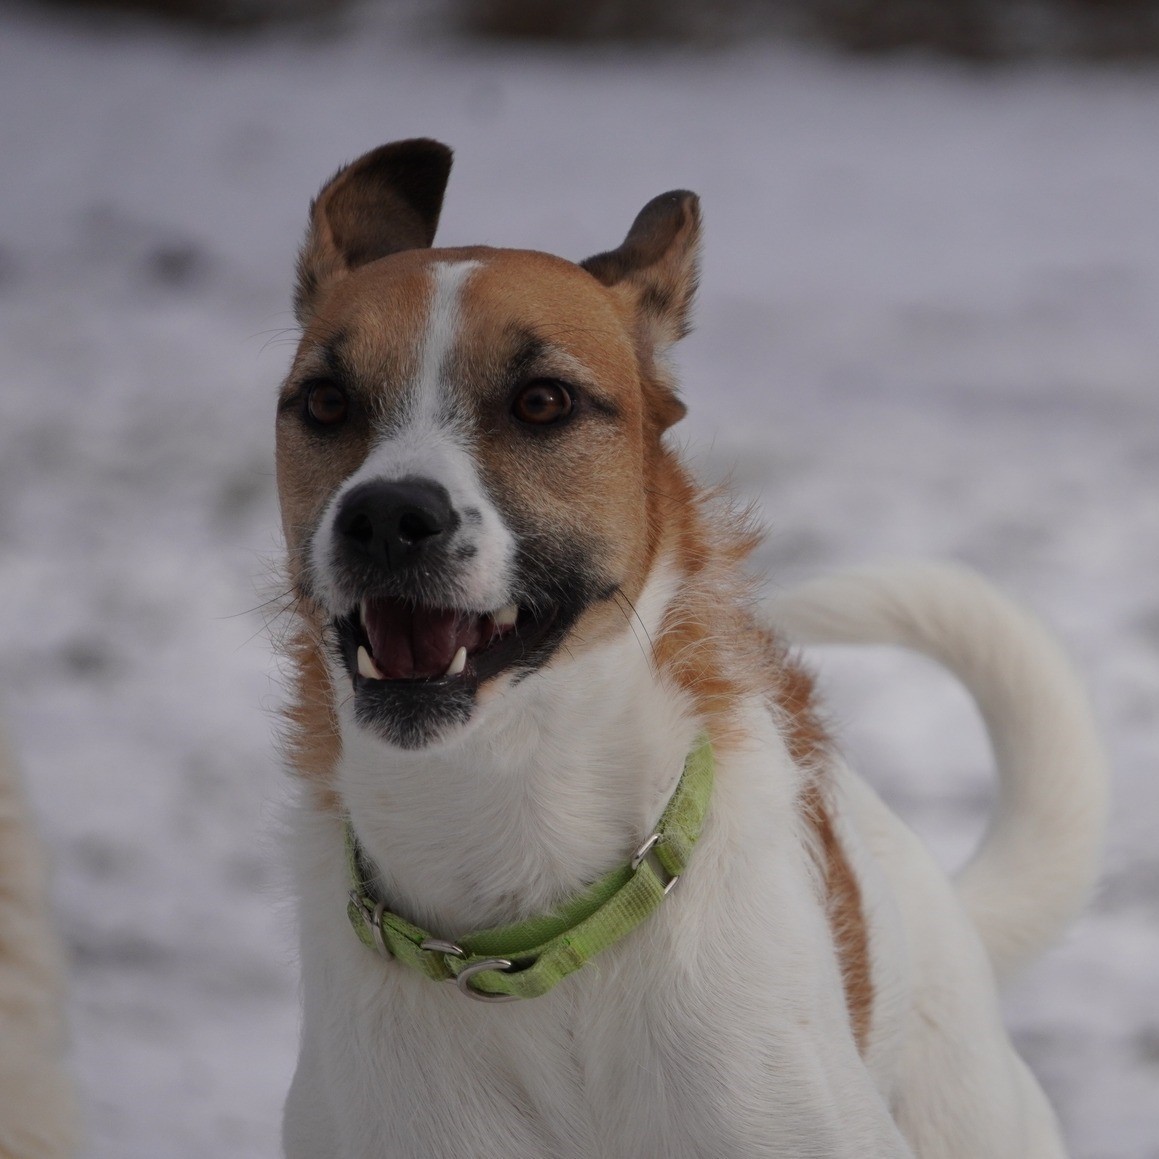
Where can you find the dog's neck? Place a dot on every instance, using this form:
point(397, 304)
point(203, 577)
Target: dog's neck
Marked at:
point(558, 782)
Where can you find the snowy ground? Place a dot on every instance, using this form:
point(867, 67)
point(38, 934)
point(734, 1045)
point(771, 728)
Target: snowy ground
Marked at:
point(927, 327)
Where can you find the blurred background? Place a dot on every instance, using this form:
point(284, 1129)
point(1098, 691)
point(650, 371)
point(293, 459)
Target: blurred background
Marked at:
point(927, 327)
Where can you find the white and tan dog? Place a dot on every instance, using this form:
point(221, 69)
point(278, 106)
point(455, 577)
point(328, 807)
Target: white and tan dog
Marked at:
point(38, 1112)
point(516, 618)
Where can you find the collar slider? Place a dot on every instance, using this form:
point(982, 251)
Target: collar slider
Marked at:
point(641, 855)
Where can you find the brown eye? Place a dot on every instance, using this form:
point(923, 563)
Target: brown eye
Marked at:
point(326, 404)
point(542, 402)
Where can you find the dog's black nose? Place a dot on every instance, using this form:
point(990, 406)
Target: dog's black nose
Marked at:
point(391, 523)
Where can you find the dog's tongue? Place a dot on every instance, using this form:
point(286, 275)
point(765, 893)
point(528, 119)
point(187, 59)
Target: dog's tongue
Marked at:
point(416, 643)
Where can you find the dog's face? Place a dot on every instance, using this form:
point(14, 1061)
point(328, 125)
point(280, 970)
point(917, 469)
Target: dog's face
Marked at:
point(469, 442)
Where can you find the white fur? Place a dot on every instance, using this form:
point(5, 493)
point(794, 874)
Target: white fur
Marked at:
point(427, 396)
point(37, 1105)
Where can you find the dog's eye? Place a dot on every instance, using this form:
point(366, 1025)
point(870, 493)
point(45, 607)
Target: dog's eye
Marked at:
point(326, 404)
point(541, 402)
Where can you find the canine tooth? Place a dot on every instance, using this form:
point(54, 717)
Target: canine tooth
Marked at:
point(366, 666)
point(458, 662)
point(507, 616)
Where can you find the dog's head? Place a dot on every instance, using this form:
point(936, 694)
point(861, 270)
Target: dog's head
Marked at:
point(470, 460)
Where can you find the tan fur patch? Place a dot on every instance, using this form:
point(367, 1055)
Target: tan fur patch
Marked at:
point(312, 741)
point(793, 693)
point(710, 645)
point(846, 916)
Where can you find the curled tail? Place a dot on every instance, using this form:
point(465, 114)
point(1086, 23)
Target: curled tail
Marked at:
point(37, 1106)
point(1038, 862)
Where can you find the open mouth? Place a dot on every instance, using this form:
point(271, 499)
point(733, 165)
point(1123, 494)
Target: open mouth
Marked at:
point(389, 641)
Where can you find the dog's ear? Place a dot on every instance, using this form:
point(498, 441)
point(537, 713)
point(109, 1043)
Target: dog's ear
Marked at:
point(386, 201)
point(657, 266)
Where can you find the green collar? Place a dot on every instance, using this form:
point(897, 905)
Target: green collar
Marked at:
point(528, 958)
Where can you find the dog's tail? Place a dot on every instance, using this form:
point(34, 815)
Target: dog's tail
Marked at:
point(37, 1105)
point(1038, 861)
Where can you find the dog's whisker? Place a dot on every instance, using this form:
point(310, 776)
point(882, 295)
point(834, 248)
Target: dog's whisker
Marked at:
point(632, 618)
point(277, 601)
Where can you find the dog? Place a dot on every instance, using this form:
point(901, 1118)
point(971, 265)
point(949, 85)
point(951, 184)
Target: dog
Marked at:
point(580, 871)
point(38, 1111)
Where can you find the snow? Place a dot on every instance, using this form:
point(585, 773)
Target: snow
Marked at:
point(927, 328)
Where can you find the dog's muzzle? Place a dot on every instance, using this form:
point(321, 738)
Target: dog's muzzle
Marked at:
point(399, 557)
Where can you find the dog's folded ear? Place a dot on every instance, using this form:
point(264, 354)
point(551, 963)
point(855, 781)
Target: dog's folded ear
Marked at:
point(386, 201)
point(658, 264)
point(657, 268)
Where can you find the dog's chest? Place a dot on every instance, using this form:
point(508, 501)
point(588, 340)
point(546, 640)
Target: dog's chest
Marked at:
point(690, 1038)
point(569, 1075)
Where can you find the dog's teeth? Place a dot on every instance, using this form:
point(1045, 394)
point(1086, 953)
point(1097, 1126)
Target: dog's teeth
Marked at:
point(507, 616)
point(367, 667)
point(458, 663)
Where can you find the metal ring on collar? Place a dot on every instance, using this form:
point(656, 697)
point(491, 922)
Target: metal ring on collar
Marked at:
point(440, 946)
point(463, 980)
point(376, 931)
point(373, 918)
point(641, 853)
